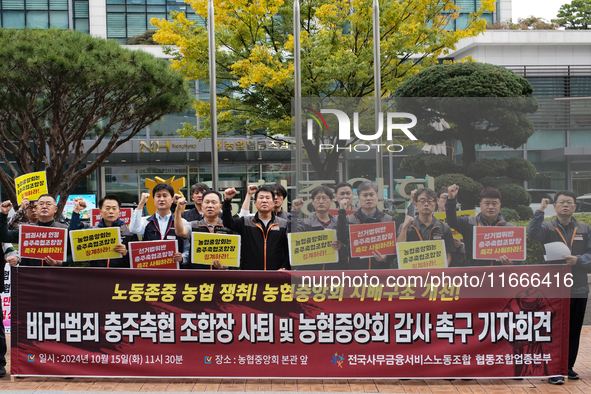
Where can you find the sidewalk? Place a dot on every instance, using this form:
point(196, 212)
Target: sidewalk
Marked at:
point(527, 386)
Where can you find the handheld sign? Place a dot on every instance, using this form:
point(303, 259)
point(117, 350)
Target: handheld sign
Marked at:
point(365, 238)
point(30, 186)
point(38, 242)
point(153, 254)
point(490, 243)
point(461, 214)
point(208, 247)
point(312, 247)
point(124, 215)
point(95, 244)
point(422, 254)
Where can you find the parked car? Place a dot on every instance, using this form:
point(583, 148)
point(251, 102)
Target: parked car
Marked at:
point(584, 203)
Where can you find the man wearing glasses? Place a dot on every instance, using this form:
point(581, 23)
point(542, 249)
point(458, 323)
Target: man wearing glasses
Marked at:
point(425, 227)
point(575, 235)
point(46, 210)
point(27, 213)
point(490, 208)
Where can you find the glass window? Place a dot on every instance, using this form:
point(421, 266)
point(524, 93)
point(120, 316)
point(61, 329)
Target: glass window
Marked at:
point(59, 19)
point(13, 4)
point(81, 9)
point(38, 19)
point(82, 25)
point(61, 5)
point(36, 5)
point(13, 19)
point(547, 139)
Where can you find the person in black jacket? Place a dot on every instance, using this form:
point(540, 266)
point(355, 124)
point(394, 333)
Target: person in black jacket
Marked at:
point(109, 206)
point(367, 193)
point(197, 191)
point(211, 223)
point(263, 236)
point(46, 209)
point(566, 229)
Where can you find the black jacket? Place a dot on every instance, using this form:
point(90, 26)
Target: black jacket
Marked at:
point(263, 248)
point(12, 236)
point(359, 263)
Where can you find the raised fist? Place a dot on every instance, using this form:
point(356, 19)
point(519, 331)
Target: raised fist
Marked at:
point(452, 191)
point(5, 207)
point(230, 193)
point(297, 204)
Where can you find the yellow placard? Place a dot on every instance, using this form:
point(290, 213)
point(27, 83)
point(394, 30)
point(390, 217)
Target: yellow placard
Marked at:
point(421, 254)
point(95, 244)
point(30, 186)
point(442, 216)
point(312, 247)
point(209, 247)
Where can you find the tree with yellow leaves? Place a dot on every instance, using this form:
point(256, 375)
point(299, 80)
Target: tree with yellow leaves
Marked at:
point(255, 56)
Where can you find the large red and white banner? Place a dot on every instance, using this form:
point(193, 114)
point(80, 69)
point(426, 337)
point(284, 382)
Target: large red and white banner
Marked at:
point(449, 323)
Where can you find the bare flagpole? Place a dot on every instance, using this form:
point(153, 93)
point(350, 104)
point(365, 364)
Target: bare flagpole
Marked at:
point(377, 76)
point(212, 96)
point(298, 94)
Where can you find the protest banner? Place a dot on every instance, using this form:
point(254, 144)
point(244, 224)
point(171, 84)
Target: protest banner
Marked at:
point(208, 247)
point(490, 243)
point(421, 254)
point(367, 238)
point(253, 324)
point(153, 254)
point(461, 214)
point(6, 299)
point(30, 186)
point(37, 242)
point(312, 247)
point(95, 243)
point(124, 215)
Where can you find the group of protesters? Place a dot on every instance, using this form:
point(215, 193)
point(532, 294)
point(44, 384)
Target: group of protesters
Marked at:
point(264, 240)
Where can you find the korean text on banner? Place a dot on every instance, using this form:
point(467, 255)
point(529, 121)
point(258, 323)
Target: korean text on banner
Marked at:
point(312, 247)
point(490, 243)
point(95, 244)
point(30, 186)
point(124, 215)
point(422, 254)
point(38, 242)
point(253, 324)
point(367, 238)
point(208, 247)
point(461, 214)
point(153, 254)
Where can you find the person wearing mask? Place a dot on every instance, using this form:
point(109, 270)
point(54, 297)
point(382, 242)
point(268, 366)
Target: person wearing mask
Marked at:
point(575, 235)
point(263, 236)
point(46, 209)
point(160, 225)
point(109, 207)
point(210, 223)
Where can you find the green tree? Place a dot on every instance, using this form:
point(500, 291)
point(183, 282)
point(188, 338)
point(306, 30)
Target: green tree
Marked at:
point(575, 16)
point(529, 23)
point(58, 88)
point(255, 62)
point(490, 106)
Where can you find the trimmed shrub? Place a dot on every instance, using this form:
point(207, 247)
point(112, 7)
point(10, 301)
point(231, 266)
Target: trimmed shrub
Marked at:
point(514, 196)
point(510, 215)
point(525, 212)
point(469, 188)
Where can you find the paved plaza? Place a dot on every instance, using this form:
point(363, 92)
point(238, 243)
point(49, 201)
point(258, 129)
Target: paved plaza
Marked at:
point(40, 385)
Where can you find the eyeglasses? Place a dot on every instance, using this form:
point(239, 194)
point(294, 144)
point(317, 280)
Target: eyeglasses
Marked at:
point(565, 203)
point(30, 208)
point(45, 204)
point(426, 202)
